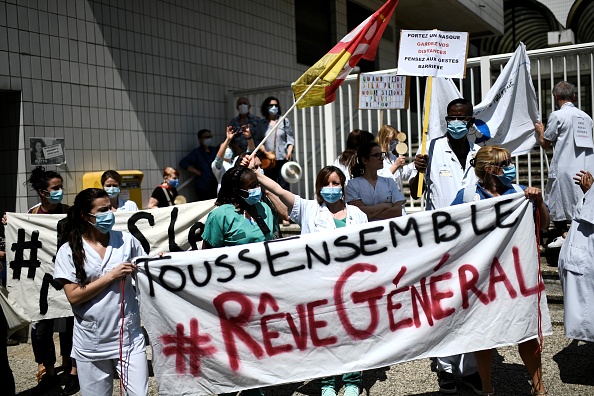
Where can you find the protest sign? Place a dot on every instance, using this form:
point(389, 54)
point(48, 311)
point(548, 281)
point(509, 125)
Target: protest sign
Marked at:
point(47, 151)
point(32, 243)
point(505, 117)
point(383, 91)
point(432, 53)
point(434, 283)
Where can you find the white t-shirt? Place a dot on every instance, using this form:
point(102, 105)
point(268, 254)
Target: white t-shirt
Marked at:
point(97, 321)
point(313, 217)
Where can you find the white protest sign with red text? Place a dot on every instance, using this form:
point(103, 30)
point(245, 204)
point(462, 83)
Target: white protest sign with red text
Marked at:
point(435, 283)
point(432, 53)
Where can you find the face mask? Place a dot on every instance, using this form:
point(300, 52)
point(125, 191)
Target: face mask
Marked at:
point(243, 109)
point(260, 170)
point(393, 145)
point(273, 110)
point(509, 174)
point(55, 197)
point(228, 154)
point(457, 129)
point(104, 221)
point(112, 192)
point(331, 194)
point(207, 141)
point(255, 194)
point(173, 183)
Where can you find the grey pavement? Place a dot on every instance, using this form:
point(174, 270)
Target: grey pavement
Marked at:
point(568, 368)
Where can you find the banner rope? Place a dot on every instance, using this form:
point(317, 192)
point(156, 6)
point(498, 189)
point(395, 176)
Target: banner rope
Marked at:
point(539, 280)
point(123, 382)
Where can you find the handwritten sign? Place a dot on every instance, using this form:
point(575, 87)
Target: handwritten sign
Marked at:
point(239, 317)
point(582, 132)
point(432, 53)
point(32, 243)
point(383, 91)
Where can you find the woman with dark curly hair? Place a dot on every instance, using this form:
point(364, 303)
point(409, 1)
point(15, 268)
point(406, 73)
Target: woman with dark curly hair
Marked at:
point(94, 265)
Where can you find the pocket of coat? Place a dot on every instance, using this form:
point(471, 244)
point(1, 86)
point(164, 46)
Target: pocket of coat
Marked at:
point(87, 336)
point(577, 258)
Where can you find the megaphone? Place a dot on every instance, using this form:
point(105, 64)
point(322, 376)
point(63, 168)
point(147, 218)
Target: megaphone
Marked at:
point(291, 171)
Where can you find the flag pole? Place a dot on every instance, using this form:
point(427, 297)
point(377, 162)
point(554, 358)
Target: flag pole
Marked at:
point(425, 130)
point(280, 120)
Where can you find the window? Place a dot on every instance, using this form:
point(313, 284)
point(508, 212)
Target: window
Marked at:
point(313, 28)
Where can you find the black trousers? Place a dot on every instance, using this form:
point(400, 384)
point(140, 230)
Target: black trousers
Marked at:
point(42, 339)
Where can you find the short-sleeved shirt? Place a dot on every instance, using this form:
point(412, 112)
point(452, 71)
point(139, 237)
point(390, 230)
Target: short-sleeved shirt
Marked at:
point(225, 226)
point(159, 194)
point(385, 190)
point(97, 321)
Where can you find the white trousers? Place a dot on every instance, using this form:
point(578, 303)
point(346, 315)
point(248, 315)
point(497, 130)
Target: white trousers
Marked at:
point(96, 377)
point(464, 364)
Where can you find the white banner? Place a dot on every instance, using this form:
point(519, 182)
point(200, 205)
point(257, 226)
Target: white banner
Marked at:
point(32, 242)
point(435, 283)
point(505, 117)
point(432, 53)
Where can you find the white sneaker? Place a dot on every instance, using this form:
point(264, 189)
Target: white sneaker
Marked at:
point(557, 243)
point(351, 390)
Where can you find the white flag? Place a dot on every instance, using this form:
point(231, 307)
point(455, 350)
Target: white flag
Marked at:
point(505, 117)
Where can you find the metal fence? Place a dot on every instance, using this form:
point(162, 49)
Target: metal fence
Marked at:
point(321, 132)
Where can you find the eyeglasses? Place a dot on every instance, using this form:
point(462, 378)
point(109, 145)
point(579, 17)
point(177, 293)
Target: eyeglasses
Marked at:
point(457, 118)
point(502, 164)
point(379, 156)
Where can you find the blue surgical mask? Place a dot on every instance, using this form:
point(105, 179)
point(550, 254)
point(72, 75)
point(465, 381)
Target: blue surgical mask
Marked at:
point(509, 175)
point(457, 129)
point(393, 144)
point(331, 194)
point(104, 221)
point(273, 110)
point(255, 194)
point(112, 192)
point(260, 170)
point(55, 197)
point(173, 183)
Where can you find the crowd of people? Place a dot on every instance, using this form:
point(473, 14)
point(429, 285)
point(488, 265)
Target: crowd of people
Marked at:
point(365, 184)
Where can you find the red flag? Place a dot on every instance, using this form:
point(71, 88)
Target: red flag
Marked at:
point(336, 65)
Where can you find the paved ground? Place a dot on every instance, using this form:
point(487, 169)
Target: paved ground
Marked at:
point(568, 369)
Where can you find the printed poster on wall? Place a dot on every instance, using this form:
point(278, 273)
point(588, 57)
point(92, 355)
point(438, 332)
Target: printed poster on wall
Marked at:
point(383, 91)
point(432, 53)
point(47, 151)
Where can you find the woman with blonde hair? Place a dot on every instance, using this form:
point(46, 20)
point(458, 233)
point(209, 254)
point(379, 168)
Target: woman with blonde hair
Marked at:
point(496, 172)
point(394, 167)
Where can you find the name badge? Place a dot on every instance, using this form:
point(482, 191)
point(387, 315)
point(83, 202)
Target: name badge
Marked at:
point(582, 132)
point(445, 173)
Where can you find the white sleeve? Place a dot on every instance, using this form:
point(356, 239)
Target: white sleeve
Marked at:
point(64, 266)
point(298, 211)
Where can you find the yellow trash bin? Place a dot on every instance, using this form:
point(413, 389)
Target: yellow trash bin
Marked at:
point(130, 188)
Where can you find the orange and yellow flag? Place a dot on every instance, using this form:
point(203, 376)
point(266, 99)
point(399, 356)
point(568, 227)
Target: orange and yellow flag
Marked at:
point(336, 65)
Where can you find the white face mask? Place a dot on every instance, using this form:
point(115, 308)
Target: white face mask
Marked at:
point(243, 109)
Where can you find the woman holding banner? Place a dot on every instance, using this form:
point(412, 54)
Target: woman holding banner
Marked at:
point(378, 197)
point(94, 265)
point(327, 212)
point(240, 218)
point(111, 182)
point(495, 172)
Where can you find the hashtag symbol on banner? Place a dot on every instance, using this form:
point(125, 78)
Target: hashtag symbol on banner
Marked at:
point(192, 346)
point(18, 248)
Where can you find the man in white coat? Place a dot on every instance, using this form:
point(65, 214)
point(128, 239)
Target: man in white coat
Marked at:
point(570, 129)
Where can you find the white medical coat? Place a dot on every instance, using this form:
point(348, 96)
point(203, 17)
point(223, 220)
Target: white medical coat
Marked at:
point(313, 217)
point(97, 321)
point(562, 194)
